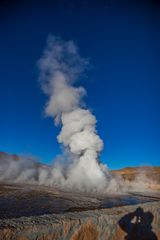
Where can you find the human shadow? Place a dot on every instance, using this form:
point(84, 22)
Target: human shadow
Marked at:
point(137, 225)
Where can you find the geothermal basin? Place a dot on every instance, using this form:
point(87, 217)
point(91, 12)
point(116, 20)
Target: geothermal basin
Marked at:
point(37, 212)
point(17, 200)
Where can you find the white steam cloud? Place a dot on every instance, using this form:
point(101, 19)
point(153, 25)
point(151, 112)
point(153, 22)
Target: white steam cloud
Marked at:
point(60, 67)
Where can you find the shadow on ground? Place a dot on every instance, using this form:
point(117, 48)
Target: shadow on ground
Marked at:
point(138, 225)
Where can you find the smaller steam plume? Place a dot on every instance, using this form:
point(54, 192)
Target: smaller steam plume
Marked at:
point(20, 169)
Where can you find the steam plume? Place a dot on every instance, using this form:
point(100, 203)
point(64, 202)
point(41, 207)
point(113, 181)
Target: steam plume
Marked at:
point(60, 67)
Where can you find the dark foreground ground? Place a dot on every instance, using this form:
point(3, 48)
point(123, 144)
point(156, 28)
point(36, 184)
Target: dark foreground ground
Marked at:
point(30, 212)
point(27, 200)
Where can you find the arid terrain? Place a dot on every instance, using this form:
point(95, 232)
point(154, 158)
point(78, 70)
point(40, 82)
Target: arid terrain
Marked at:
point(150, 173)
point(36, 212)
point(17, 200)
point(31, 212)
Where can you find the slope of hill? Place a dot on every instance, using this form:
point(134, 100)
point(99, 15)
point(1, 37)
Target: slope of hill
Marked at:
point(129, 173)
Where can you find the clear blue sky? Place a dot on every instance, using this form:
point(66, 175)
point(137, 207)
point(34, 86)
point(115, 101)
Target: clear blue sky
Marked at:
point(123, 84)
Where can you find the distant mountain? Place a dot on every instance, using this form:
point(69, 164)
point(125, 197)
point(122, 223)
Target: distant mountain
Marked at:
point(15, 157)
point(4, 155)
point(147, 173)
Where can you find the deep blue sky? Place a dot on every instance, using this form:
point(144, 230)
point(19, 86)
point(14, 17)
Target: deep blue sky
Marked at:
point(123, 84)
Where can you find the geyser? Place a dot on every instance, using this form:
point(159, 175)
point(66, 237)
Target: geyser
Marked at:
point(60, 67)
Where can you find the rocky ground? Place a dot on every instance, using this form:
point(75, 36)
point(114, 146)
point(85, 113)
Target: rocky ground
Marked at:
point(33, 212)
point(17, 200)
point(36, 212)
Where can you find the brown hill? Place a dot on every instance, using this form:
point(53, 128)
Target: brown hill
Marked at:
point(130, 173)
point(4, 155)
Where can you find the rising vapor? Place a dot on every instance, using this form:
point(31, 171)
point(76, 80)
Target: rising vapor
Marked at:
point(60, 67)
